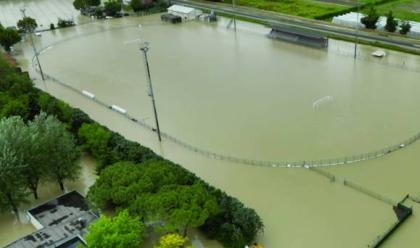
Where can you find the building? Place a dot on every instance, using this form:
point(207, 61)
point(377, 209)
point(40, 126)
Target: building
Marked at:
point(61, 222)
point(298, 36)
point(186, 13)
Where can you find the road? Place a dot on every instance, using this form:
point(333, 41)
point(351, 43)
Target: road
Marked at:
point(317, 26)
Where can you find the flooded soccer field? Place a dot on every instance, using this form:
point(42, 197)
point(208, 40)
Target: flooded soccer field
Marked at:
point(244, 95)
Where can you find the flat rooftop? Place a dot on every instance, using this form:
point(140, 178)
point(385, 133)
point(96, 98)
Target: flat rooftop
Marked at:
point(64, 221)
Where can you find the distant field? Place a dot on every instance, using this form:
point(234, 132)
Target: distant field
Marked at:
point(326, 9)
point(303, 8)
point(403, 9)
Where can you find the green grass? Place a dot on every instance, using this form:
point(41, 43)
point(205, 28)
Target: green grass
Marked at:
point(303, 8)
point(403, 9)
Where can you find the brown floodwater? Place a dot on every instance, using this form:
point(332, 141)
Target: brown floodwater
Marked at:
point(248, 96)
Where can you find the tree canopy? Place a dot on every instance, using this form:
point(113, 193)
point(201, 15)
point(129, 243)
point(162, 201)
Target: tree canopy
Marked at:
point(391, 23)
point(180, 207)
point(27, 24)
point(8, 37)
point(371, 19)
point(120, 184)
point(173, 240)
point(13, 190)
point(81, 4)
point(138, 5)
point(112, 7)
point(60, 158)
point(405, 27)
point(121, 231)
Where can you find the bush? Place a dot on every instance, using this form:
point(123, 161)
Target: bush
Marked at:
point(95, 139)
point(52, 26)
point(235, 225)
point(371, 19)
point(391, 23)
point(52, 106)
point(405, 27)
point(27, 25)
point(120, 231)
point(112, 8)
point(65, 23)
point(8, 37)
point(139, 5)
point(99, 13)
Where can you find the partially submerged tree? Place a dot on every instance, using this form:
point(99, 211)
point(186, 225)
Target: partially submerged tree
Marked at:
point(119, 232)
point(27, 24)
point(13, 190)
point(82, 4)
point(60, 147)
point(405, 27)
point(8, 37)
point(112, 7)
point(371, 19)
point(139, 5)
point(180, 207)
point(391, 23)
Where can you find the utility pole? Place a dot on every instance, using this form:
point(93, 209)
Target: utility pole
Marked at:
point(23, 10)
point(357, 30)
point(145, 49)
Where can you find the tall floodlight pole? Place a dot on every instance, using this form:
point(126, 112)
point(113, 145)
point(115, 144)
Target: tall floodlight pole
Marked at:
point(357, 30)
point(23, 10)
point(145, 49)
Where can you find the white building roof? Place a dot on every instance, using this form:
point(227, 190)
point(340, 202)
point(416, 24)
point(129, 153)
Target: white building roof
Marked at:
point(181, 9)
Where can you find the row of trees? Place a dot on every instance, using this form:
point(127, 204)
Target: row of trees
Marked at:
point(371, 19)
point(10, 36)
point(34, 147)
point(41, 150)
point(113, 7)
point(132, 177)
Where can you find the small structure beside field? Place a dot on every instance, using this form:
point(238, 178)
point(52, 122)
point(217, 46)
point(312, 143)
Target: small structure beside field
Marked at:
point(186, 13)
point(298, 37)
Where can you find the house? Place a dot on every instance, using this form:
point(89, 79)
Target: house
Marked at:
point(186, 13)
point(61, 222)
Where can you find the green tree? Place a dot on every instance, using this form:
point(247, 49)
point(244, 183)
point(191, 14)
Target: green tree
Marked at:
point(13, 190)
point(138, 5)
point(96, 139)
point(8, 37)
point(122, 183)
point(112, 7)
point(391, 23)
point(180, 207)
point(371, 19)
point(27, 24)
point(62, 151)
point(235, 225)
point(172, 240)
point(122, 231)
point(405, 27)
point(82, 4)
